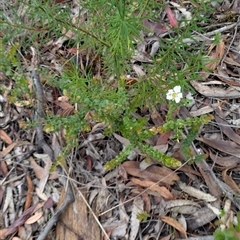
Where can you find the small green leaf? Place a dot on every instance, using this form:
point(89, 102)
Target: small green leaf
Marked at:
point(143, 216)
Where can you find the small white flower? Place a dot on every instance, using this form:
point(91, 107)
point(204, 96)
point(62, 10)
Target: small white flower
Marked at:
point(191, 100)
point(174, 94)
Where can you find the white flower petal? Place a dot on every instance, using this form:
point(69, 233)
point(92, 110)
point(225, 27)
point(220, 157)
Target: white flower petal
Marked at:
point(169, 94)
point(177, 100)
point(177, 89)
point(170, 91)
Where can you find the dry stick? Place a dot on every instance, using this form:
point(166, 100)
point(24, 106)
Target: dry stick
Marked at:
point(39, 113)
point(233, 39)
point(194, 38)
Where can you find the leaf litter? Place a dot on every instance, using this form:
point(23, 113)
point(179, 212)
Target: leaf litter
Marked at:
point(137, 185)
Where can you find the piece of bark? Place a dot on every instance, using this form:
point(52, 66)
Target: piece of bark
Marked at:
point(77, 223)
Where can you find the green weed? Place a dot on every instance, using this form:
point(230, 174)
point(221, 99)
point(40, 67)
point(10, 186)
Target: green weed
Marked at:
point(111, 31)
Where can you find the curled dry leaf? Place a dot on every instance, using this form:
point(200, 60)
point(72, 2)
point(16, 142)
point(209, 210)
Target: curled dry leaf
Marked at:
point(152, 173)
point(163, 191)
point(196, 193)
point(157, 27)
point(34, 218)
point(229, 181)
point(224, 161)
point(216, 92)
point(29, 193)
point(213, 187)
point(174, 223)
point(223, 146)
point(4, 136)
point(216, 57)
point(228, 131)
point(39, 171)
point(3, 169)
point(180, 202)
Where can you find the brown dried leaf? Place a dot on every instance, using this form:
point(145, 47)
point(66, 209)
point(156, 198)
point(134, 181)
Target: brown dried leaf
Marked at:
point(34, 218)
point(231, 61)
point(7, 150)
point(224, 146)
point(157, 27)
point(164, 192)
point(153, 173)
point(147, 202)
point(29, 193)
point(218, 92)
point(157, 118)
point(163, 138)
point(224, 161)
point(188, 169)
point(3, 233)
point(4, 136)
point(49, 203)
point(217, 56)
point(1, 195)
point(174, 223)
point(3, 169)
point(38, 170)
point(20, 221)
point(228, 131)
point(213, 187)
point(229, 181)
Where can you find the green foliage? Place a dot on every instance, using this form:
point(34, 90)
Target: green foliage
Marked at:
point(111, 31)
point(143, 216)
point(192, 125)
point(232, 232)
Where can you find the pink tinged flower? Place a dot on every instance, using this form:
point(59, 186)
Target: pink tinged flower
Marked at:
point(175, 94)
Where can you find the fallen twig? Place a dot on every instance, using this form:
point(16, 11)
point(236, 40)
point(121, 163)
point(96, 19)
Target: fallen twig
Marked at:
point(39, 113)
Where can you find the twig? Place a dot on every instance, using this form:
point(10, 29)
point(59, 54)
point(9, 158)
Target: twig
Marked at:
point(39, 113)
point(195, 38)
point(233, 39)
